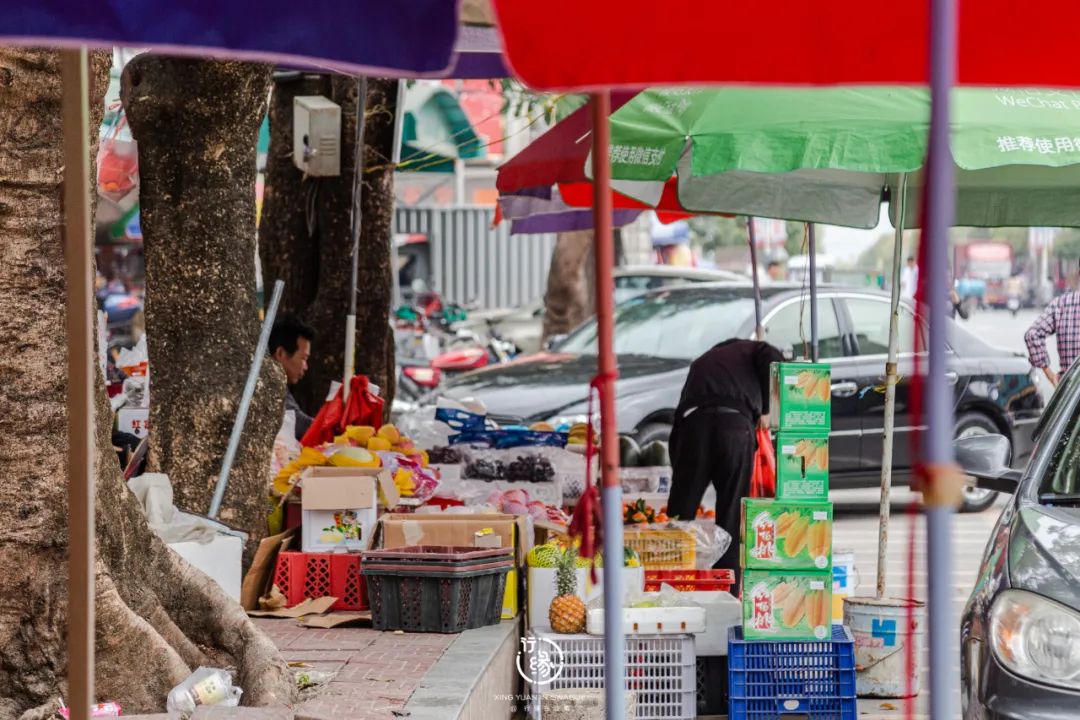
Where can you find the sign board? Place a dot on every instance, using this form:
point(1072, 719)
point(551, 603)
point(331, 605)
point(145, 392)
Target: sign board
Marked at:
point(133, 420)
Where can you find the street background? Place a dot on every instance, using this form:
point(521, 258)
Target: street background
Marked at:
point(856, 525)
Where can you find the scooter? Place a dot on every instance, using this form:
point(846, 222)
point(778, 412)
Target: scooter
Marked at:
point(1013, 304)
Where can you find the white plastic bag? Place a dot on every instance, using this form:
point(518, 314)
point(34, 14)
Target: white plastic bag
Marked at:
point(286, 447)
point(205, 686)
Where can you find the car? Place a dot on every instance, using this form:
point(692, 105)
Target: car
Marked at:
point(524, 326)
point(1020, 629)
point(659, 333)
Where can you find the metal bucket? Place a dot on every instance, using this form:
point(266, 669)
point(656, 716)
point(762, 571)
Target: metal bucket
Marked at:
point(845, 580)
point(883, 637)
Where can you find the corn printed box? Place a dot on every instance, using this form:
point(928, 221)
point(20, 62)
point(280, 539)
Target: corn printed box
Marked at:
point(801, 397)
point(786, 534)
point(802, 466)
point(783, 605)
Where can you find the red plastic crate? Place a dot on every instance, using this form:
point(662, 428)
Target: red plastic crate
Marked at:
point(313, 575)
point(690, 580)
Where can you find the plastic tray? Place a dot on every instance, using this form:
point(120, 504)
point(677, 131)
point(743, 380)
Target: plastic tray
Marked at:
point(436, 600)
point(773, 679)
point(439, 554)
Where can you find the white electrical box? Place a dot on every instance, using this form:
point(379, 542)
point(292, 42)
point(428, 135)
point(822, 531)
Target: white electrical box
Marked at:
point(317, 135)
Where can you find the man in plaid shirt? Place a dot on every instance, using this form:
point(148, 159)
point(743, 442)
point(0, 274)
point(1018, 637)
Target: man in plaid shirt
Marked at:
point(1061, 318)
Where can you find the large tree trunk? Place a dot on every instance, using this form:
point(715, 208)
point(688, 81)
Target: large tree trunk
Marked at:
point(196, 122)
point(157, 618)
point(306, 233)
point(568, 301)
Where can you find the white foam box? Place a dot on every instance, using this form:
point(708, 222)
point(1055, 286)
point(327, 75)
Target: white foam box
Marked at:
point(722, 610)
point(219, 559)
point(652, 621)
point(541, 589)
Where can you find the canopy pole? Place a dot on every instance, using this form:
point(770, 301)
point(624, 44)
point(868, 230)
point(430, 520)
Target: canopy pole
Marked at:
point(78, 251)
point(357, 224)
point(611, 494)
point(759, 329)
point(942, 482)
point(812, 249)
point(890, 388)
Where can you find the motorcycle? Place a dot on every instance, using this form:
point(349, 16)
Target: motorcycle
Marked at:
point(1013, 304)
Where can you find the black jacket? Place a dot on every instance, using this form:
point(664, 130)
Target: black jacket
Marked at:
point(734, 375)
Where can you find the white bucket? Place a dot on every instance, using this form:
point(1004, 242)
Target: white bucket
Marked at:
point(845, 580)
point(883, 638)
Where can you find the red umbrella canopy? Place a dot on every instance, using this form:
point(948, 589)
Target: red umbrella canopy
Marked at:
point(636, 43)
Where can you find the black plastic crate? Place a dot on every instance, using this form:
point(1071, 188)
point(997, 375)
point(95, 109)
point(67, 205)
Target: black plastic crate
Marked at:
point(712, 685)
point(430, 600)
point(439, 556)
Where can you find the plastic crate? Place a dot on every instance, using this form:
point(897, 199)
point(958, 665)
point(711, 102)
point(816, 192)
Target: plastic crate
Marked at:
point(660, 669)
point(773, 679)
point(712, 685)
point(690, 580)
point(662, 547)
point(438, 556)
point(447, 600)
point(302, 575)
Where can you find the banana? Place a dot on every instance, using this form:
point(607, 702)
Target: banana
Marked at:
point(794, 608)
point(784, 523)
point(795, 538)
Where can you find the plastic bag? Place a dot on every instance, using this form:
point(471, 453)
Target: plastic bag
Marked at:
point(763, 479)
point(205, 686)
point(286, 447)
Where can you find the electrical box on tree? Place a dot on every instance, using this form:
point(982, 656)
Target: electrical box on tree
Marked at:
point(317, 135)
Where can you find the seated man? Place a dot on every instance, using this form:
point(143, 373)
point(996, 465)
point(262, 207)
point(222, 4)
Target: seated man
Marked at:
point(290, 346)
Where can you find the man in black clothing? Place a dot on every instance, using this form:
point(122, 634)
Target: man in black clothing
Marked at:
point(724, 400)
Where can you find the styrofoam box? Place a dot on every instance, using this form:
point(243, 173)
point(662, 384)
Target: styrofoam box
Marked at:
point(541, 589)
point(220, 559)
point(722, 610)
point(652, 621)
point(660, 669)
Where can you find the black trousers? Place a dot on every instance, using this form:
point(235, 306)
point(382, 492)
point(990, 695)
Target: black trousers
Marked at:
point(713, 447)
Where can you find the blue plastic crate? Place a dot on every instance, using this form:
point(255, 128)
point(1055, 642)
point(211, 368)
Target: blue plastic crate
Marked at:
point(774, 678)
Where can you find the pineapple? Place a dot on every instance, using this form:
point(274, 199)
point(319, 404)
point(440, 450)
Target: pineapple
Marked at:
point(567, 611)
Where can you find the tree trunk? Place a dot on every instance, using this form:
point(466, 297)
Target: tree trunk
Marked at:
point(306, 233)
point(568, 301)
point(157, 618)
point(196, 122)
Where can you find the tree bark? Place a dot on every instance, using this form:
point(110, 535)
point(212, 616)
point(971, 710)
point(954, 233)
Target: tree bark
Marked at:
point(306, 233)
point(568, 301)
point(196, 122)
point(156, 616)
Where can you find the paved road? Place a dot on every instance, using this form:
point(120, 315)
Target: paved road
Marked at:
point(857, 527)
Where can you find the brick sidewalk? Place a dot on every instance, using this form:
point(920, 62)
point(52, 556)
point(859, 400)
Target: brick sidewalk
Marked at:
point(377, 672)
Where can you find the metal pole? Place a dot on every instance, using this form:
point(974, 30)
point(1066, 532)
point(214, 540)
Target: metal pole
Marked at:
point(78, 250)
point(942, 482)
point(245, 400)
point(890, 388)
point(759, 329)
point(611, 495)
point(812, 249)
point(357, 223)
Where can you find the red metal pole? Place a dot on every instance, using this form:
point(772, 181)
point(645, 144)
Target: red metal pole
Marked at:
point(611, 493)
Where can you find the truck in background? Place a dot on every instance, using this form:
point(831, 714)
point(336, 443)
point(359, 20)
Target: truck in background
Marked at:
point(983, 266)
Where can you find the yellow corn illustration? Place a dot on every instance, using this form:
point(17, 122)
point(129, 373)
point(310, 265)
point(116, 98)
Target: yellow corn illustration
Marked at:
point(794, 607)
point(818, 612)
point(784, 523)
point(796, 536)
point(818, 539)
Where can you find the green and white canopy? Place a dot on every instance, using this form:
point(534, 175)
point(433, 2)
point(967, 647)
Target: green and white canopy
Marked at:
point(831, 155)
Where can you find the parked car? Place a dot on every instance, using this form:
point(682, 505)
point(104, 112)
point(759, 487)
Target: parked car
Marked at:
point(524, 326)
point(1020, 630)
point(657, 335)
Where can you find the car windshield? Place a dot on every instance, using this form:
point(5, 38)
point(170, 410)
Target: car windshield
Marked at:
point(676, 325)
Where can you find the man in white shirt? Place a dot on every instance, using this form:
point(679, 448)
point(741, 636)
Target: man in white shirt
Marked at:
point(909, 279)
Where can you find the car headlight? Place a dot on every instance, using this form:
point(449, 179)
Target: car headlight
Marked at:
point(1036, 638)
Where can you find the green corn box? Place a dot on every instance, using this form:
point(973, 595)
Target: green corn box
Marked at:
point(802, 465)
point(786, 534)
point(787, 605)
point(800, 396)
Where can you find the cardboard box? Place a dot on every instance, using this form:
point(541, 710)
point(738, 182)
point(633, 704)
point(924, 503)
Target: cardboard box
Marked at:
point(786, 534)
point(800, 396)
point(219, 559)
point(339, 507)
point(466, 530)
point(802, 465)
point(786, 605)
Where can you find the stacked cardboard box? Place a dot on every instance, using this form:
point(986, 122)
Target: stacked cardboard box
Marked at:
point(787, 541)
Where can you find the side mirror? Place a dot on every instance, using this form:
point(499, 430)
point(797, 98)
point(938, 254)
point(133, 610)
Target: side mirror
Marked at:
point(554, 341)
point(986, 458)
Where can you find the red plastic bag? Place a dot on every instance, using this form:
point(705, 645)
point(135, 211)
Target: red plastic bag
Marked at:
point(763, 479)
point(362, 408)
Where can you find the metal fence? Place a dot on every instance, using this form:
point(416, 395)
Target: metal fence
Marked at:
point(472, 262)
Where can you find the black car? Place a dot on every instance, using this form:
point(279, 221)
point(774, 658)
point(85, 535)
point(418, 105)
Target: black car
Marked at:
point(658, 334)
point(1020, 631)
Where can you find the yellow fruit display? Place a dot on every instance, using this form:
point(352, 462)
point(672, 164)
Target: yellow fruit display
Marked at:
point(403, 480)
point(389, 433)
point(542, 427)
point(379, 444)
point(359, 434)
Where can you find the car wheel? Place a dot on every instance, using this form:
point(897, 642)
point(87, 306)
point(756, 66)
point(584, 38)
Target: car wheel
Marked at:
point(650, 432)
point(976, 499)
